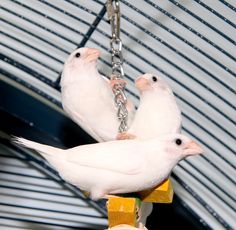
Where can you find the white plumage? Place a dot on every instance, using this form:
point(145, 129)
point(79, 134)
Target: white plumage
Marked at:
point(118, 166)
point(87, 96)
point(158, 113)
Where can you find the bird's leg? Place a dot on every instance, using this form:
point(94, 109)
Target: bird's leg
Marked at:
point(125, 136)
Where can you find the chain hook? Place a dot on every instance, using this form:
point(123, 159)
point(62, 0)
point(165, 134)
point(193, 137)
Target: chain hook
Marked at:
point(113, 11)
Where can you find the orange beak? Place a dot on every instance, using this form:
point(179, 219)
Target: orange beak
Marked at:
point(193, 148)
point(142, 83)
point(92, 54)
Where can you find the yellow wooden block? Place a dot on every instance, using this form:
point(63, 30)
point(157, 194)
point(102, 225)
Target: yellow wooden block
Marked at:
point(163, 193)
point(122, 210)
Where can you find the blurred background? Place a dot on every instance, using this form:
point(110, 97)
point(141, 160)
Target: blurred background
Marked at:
point(191, 44)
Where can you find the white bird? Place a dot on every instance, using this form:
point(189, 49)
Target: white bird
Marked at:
point(87, 96)
point(117, 167)
point(158, 113)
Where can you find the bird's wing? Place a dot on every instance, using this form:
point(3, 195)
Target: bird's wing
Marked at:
point(90, 131)
point(82, 123)
point(103, 157)
point(177, 123)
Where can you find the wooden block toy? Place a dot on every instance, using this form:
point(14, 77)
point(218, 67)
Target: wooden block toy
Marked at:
point(163, 193)
point(122, 210)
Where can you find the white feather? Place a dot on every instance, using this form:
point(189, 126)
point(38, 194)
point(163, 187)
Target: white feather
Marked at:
point(158, 113)
point(88, 99)
point(113, 167)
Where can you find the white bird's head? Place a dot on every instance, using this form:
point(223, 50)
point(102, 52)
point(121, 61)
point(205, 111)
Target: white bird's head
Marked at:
point(180, 146)
point(83, 56)
point(151, 82)
point(82, 61)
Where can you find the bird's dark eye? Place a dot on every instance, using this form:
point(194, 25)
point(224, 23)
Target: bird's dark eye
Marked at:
point(77, 55)
point(178, 141)
point(154, 79)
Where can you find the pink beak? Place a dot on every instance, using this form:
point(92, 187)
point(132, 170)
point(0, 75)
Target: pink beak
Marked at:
point(142, 83)
point(193, 149)
point(92, 54)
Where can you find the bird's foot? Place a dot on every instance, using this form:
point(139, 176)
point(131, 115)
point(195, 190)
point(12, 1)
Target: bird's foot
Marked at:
point(125, 136)
point(120, 82)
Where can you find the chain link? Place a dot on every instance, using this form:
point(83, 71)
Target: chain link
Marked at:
point(113, 11)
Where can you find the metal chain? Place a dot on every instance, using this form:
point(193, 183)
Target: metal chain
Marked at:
point(113, 11)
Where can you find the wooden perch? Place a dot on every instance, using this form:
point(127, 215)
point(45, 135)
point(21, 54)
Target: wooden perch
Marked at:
point(163, 193)
point(122, 210)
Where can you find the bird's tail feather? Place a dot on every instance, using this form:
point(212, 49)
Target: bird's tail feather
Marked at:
point(44, 150)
